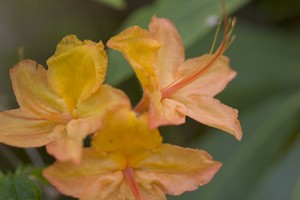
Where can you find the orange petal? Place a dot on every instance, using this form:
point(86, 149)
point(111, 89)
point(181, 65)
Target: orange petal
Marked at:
point(140, 49)
point(33, 95)
point(211, 82)
point(25, 130)
point(176, 170)
point(165, 112)
point(134, 189)
point(151, 192)
point(69, 146)
point(211, 112)
point(106, 187)
point(77, 69)
point(171, 52)
point(96, 174)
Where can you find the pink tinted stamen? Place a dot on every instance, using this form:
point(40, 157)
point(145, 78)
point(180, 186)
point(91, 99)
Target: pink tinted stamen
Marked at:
point(200, 70)
point(129, 176)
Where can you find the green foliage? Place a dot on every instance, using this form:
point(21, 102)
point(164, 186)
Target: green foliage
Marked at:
point(278, 11)
point(18, 186)
point(296, 193)
point(117, 4)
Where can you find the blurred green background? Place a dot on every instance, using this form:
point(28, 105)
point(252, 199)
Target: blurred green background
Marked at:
point(266, 54)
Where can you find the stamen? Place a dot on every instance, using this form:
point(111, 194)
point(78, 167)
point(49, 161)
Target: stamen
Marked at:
point(201, 69)
point(129, 176)
point(215, 37)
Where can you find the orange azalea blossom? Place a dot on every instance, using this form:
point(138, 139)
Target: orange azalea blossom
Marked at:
point(60, 106)
point(174, 87)
point(128, 161)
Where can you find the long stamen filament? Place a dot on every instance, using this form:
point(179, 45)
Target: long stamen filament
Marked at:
point(200, 70)
point(215, 37)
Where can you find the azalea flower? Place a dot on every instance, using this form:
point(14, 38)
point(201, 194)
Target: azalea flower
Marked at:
point(128, 161)
point(174, 87)
point(60, 106)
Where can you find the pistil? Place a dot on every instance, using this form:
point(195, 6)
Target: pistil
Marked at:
point(130, 178)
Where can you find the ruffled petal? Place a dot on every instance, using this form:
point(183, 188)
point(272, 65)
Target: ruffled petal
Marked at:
point(212, 81)
point(106, 187)
point(171, 52)
point(96, 177)
point(165, 112)
point(25, 130)
point(113, 186)
point(33, 95)
point(151, 192)
point(69, 145)
point(211, 112)
point(96, 174)
point(175, 170)
point(77, 69)
point(140, 49)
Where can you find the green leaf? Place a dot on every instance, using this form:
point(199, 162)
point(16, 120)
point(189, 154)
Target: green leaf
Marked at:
point(35, 173)
point(282, 171)
point(296, 193)
point(19, 187)
point(117, 4)
point(190, 18)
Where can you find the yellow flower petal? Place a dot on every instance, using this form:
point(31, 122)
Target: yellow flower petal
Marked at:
point(171, 52)
point(93, 110)
point(63, 105)
point(104, 99)
point(77, 69)
point(33, 95)
point(140, 49)
point(25, 130)
point(175, 169)
point(128, 161)
point(126, 133)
